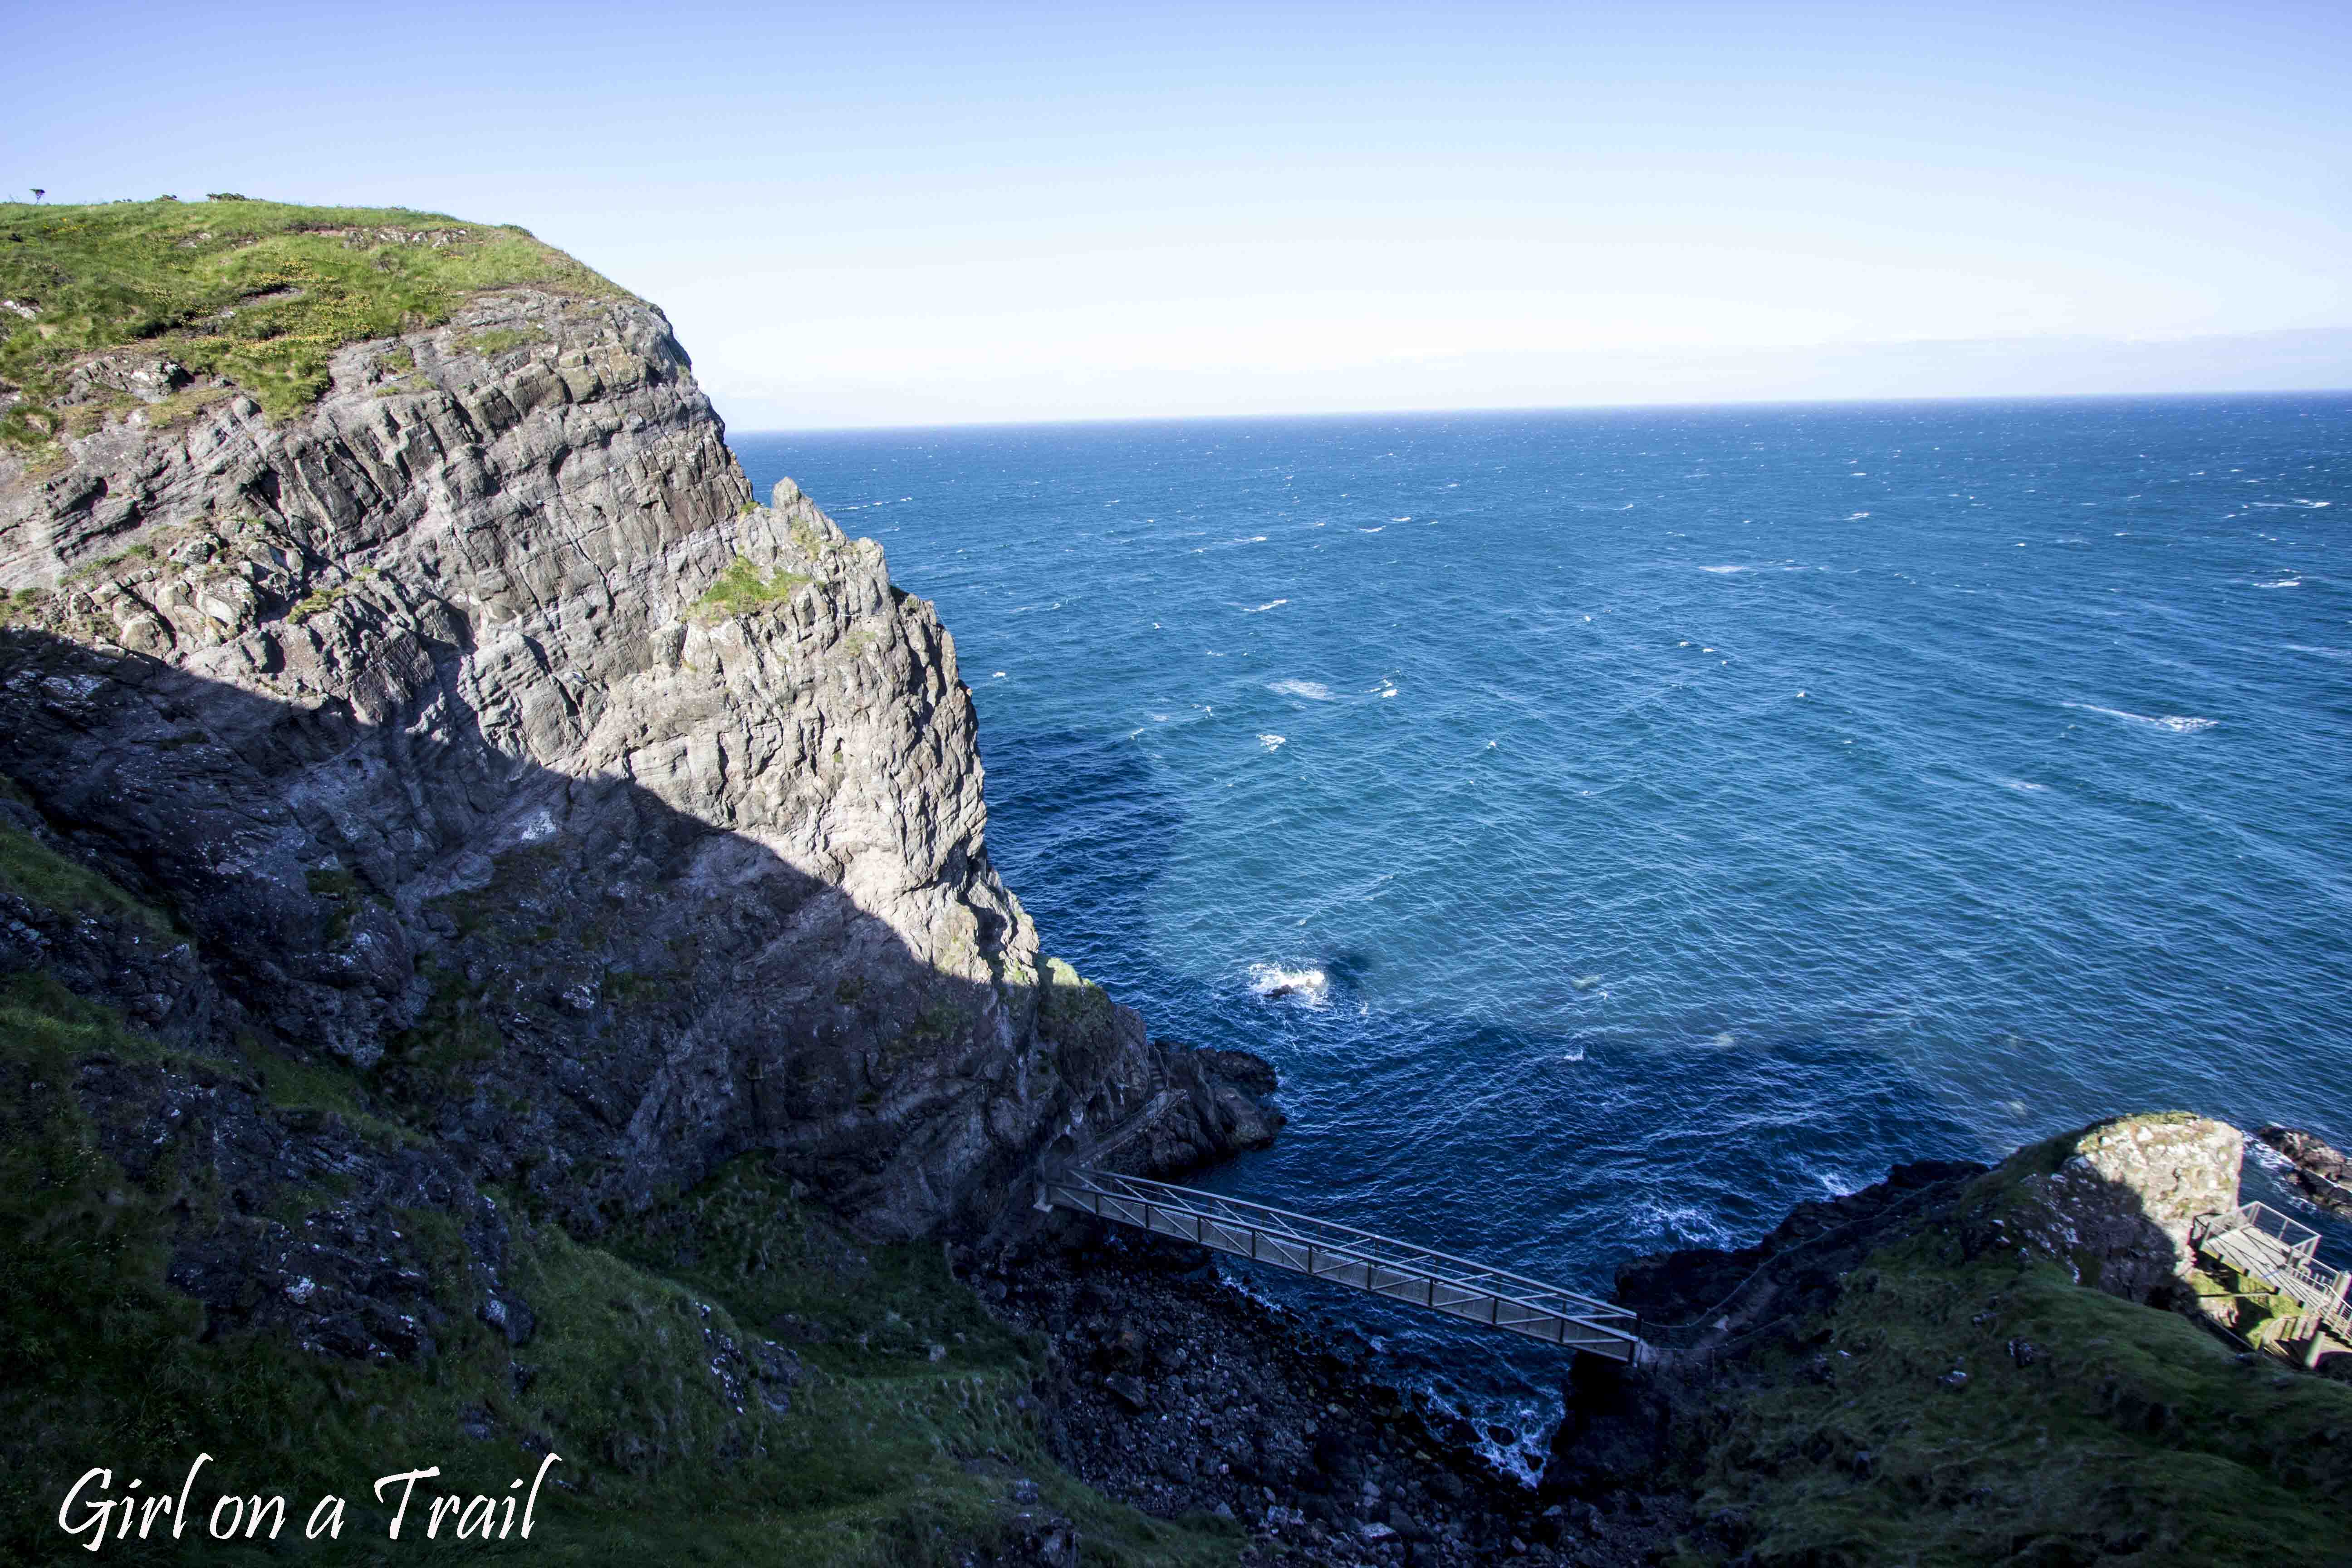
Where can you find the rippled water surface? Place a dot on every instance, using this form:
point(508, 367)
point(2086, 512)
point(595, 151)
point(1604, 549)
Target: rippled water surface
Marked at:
point(1663, 816)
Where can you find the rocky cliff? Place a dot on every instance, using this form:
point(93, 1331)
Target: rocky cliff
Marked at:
point(499, 955)
point(483, 733)
point(1967, 1365)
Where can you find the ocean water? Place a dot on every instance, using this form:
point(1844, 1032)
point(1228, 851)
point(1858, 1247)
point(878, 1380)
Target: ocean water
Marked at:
point(1659, 817)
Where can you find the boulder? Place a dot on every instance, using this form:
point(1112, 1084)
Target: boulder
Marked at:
point(2320, 1172)
point(2113, 1201)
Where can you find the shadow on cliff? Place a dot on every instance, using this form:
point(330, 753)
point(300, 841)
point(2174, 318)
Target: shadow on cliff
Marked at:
point(591, 995)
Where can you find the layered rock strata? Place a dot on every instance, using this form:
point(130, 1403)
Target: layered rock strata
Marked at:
point(480, 731)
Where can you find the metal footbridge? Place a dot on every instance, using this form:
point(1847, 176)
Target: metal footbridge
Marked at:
point(2264, 1245)
point(1397, 1270)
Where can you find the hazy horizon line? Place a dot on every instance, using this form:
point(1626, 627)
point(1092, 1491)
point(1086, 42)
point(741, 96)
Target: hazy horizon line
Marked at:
point(1655, 405)
point(2282, 360)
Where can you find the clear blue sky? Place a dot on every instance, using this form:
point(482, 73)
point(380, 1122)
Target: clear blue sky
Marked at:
point(891, 214)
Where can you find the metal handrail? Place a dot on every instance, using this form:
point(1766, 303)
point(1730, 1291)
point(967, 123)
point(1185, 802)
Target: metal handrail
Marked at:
point(1241, 1209)
point(2287, 1258)
point(2295, 1237)
point(1330, 1248)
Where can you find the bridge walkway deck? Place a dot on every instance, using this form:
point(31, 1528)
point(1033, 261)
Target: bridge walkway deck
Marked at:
point(1399, 1271)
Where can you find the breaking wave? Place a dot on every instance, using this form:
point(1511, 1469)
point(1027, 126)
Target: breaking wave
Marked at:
point(1307, 987)
point(2175, 722)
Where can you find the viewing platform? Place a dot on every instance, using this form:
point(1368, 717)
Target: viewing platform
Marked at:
point(2265, 1246)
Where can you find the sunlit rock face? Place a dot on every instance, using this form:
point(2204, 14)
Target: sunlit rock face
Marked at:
point(2116, 1202)
point(487, 734)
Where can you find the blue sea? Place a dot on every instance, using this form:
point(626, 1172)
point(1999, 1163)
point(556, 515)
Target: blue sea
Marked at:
point(1618, 826)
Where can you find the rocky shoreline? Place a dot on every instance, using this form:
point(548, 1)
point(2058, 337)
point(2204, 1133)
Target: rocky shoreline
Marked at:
point(1167, 1386)
point(1171, 1390)
point(2318, 1170)
point(498, 937)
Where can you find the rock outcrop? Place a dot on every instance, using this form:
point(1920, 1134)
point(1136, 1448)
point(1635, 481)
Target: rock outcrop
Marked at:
point(2318, 1170)
point(2116, 1201)
point(480, 731)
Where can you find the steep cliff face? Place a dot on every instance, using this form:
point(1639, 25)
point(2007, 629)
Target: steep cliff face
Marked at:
point(484, 734)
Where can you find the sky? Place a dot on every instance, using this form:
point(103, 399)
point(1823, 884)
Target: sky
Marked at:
point(890, 213)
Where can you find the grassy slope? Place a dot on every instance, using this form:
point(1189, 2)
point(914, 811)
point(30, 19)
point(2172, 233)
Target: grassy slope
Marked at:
point(261, 293)
point(2132, 1435)
point(744, 587)
point(901, 1442)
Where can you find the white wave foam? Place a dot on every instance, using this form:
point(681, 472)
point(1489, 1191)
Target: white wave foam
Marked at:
point(1573, 1054)
point(2282, 583)
point(2321, 652)
point(1727, 570)
point(1688, 1225)
point(1308, 987)
point(1585, 982)
point(2024, 786)
point(2175, 722)
point(1313, 690)
point(1261, 609)
point(1271, 742)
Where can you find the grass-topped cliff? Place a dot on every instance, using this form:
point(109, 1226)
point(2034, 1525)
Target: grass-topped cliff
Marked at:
point(2085, 1428)
point(414, 1050)
point(2020, 1373)
point(259, 294)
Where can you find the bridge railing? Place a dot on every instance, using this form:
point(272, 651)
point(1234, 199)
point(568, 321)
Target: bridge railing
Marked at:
point(2283, 1253)
point(2291, 1236)
point(1422, 1276)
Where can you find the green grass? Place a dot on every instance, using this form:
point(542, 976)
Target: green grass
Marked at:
point(498, 341)
point(742, 588)
point(897, 1449)
point(899, 1445)
point(2133, 1433)
point(37, 873)
point(262, 293)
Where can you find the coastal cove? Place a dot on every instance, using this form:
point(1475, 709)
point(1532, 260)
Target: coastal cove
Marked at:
point(511, 970)
point(1681, 814)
